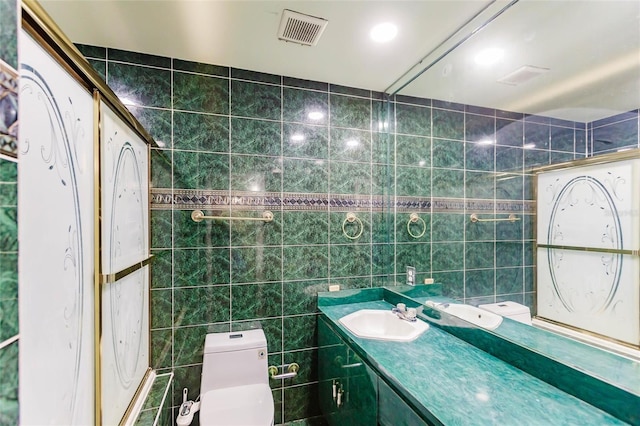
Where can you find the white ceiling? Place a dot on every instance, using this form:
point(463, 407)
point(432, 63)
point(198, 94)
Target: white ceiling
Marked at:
point(592, 42)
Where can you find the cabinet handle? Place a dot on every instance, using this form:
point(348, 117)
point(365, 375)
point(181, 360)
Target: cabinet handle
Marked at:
point(354, 365)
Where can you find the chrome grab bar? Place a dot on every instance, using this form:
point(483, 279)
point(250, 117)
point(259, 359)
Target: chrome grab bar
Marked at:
point(512, 218)
point(198, 216)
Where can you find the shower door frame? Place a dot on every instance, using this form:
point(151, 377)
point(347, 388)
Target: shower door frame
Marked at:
point(37, 24)
point(604, 159)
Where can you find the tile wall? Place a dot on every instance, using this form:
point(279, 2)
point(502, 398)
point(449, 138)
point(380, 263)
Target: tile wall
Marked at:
point(8, 214)
point(473, 160)
point(615, 133)
point(236, 142)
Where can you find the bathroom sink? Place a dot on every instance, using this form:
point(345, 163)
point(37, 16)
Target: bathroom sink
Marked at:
point(480, 317)
point(383, 325)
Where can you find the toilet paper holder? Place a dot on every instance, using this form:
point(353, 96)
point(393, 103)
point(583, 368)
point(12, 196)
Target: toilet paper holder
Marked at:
point(291, 371)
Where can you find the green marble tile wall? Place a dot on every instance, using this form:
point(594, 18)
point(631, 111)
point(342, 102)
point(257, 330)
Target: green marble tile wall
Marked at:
point(8, 293)
point(227, 135)
point(473, 160)
point(9, 32)
point(615, 133)
point(236, 142)
point(8, 224)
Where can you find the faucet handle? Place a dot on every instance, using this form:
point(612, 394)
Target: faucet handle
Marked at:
point(401, 307)
point(412, 313)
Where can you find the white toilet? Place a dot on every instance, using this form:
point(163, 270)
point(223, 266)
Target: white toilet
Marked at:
point(234, 389)
point(508, 309)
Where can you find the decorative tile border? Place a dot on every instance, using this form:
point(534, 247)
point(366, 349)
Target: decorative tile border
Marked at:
point(8, 110)
point(185, 199)
point(459, 205)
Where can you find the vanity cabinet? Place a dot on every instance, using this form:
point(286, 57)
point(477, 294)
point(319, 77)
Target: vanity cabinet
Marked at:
point(393, 411)
point(348, 387)
point(351, 392)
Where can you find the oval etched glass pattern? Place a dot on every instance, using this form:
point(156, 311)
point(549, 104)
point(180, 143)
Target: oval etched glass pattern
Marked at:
point(585, 196)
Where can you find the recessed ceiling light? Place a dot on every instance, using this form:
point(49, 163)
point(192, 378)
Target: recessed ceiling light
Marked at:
point(529, 145)
point(298, 137)
point(485, 142)
point(352, 143)
point(384, 32)
point(489, 56)
point(315, 115)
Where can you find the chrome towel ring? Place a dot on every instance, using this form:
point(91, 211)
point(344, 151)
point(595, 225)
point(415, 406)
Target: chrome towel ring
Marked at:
point(414, 218)
point(351, 218)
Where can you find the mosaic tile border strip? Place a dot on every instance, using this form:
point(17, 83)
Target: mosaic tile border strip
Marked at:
point(458, 205)
point(8, 110)
point(184, 199)
point(163, 199)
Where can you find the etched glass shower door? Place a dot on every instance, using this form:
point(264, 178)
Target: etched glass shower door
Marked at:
point(588, 235)
point(125, 254)
point(55, 204)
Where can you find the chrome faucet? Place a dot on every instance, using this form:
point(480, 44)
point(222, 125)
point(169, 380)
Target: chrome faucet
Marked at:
point(404, 313)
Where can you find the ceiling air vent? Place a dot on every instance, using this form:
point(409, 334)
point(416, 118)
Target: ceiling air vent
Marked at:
point(300, 28)
point(522, 75)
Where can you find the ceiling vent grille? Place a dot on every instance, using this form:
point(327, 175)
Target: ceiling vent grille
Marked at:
point(522, 75)
point(300, 28)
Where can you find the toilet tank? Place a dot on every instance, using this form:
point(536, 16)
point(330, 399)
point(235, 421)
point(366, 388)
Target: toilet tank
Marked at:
point(508, 309)
point(234, 359)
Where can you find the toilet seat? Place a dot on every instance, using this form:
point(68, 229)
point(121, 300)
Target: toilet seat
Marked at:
point(249, 405)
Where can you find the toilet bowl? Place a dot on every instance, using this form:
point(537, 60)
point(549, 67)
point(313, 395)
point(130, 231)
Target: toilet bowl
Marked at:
point(234, 389)
point(508, 309)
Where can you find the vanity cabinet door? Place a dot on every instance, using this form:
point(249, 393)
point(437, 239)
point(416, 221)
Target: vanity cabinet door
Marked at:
point(348, 388)
point(393, 411)
point(331, 348)
point(362, 393)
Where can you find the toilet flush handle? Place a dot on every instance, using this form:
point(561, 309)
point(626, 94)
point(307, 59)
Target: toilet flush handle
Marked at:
point(292, 371)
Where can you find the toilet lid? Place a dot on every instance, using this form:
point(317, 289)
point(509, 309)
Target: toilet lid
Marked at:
point(249, 405)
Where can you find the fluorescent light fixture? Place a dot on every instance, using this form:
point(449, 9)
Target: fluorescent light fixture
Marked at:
point(422, 163)
point(384, 32)
point(315, 115)
point(352, 143)
point(383, 125)
point(489, 56)
point(529, 145)
point(485, 142)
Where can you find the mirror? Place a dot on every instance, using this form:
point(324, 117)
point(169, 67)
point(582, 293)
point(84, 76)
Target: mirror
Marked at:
point(531, 83)
point(531, 72)
point(574, 61)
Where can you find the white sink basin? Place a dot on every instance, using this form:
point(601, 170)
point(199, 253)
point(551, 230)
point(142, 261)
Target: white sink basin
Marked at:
point(480, 317)
point(382, 325)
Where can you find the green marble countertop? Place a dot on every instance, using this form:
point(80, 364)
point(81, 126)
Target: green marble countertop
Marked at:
point(459, 384)
point(608, 367)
